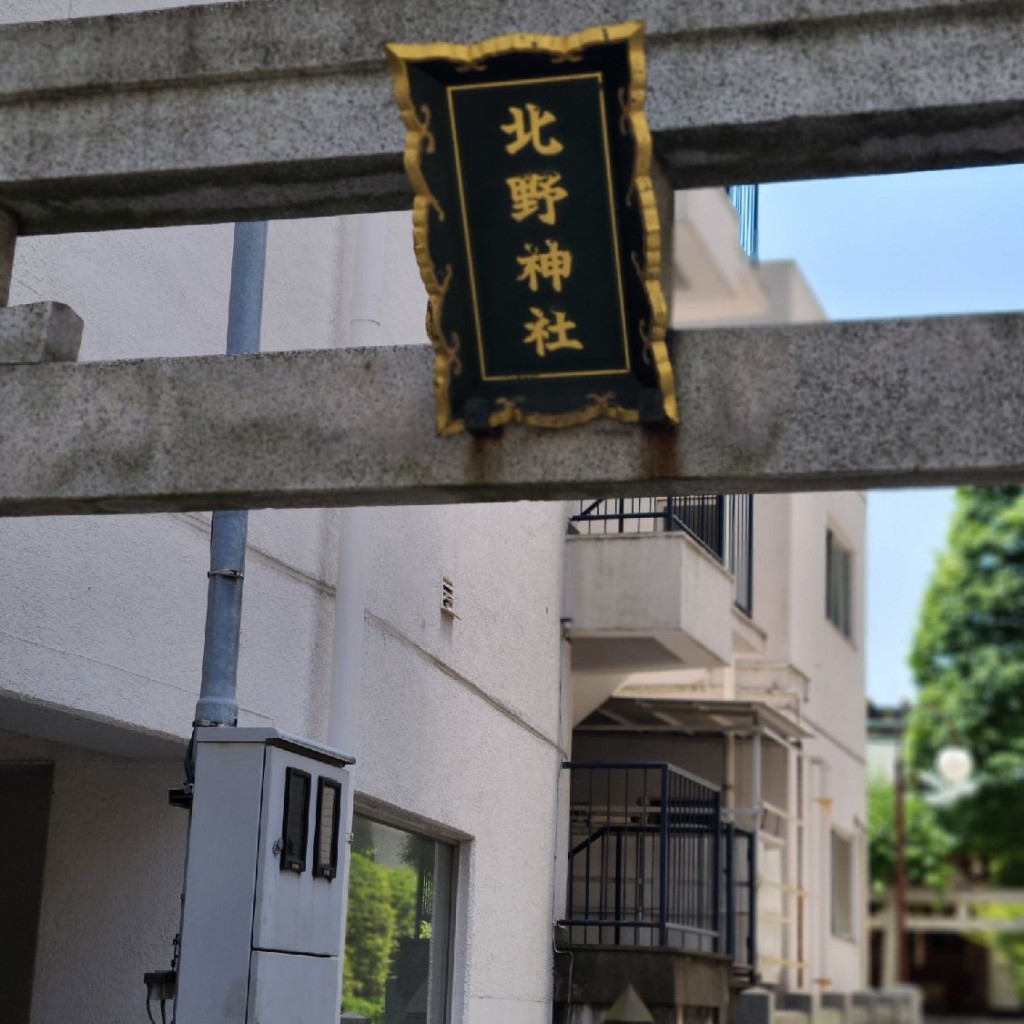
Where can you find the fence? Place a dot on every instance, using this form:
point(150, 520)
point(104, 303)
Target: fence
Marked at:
point(739, 849)
point(644, 857)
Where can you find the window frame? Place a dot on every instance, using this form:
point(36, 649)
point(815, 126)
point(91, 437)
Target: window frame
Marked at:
point(401, 823)
point(839, 582)
point(839, 838)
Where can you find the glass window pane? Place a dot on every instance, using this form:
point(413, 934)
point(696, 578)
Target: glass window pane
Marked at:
point(398, 926)
point(327, 824)
point(842, 886)
point(838, 584)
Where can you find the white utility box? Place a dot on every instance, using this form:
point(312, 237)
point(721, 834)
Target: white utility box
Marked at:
point(265, 881)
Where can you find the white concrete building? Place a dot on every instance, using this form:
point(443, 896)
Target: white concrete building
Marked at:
point(459, 722)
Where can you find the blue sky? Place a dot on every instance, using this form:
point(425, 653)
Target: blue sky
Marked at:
point(902, 245)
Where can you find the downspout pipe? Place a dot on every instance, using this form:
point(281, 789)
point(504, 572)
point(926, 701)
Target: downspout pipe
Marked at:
point(218, 696)
point(353, 531)
point(350, 584)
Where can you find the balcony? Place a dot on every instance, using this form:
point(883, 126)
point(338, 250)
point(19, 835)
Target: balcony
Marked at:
point(660, 583)
point(653, 864)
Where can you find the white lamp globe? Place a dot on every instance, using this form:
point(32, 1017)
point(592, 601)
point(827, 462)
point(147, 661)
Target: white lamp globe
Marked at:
point(955, 764)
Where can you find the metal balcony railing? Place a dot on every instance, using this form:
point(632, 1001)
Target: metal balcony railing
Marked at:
point(739, 850)
point(744, 198)
point(652, 863)
point(721, 523)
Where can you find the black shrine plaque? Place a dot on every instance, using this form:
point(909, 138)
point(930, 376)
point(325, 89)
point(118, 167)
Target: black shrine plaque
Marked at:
point(536, 228)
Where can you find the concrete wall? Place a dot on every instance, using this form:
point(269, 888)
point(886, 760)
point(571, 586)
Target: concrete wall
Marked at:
point(459, 725)
point(112, 881)
point(661, 585)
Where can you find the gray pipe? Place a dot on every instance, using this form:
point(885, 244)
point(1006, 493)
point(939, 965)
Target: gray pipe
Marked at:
point(218, 700)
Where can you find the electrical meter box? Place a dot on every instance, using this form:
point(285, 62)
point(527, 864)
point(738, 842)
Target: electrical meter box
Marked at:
point(265, 881)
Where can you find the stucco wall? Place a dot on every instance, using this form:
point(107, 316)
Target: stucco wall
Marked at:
point(111, 885)
point(789, 602)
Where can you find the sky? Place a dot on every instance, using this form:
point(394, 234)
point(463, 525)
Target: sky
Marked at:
point(902, 245)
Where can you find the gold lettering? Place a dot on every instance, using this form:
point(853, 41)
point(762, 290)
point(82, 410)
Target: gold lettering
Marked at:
point(553, 265)
point(549, 335)
point(535, 194)
point(526, 127)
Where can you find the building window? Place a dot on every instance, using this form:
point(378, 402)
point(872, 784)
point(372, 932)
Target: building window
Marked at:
point(838, 584)
point(842, 886)
point(398, 927)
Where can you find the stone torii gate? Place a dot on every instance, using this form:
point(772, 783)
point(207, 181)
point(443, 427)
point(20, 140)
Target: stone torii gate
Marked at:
point(282, 108)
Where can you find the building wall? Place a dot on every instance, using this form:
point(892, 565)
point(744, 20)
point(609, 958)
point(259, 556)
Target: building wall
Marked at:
point(460, 726)
point(111, 883)
point(789, 603)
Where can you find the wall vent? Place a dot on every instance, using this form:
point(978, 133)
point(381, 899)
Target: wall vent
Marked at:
point(448, 597)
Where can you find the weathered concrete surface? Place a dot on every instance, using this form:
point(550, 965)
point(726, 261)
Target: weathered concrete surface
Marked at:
point(818, 406)
point(282, 108)
point(666, 979)
point(8, 238)
point(41, 332)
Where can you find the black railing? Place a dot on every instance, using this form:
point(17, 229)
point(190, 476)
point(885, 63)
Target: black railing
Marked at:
point(739, 853)
point(742, 550)
point(652, 863)
point(644, 857)
point(723, 524)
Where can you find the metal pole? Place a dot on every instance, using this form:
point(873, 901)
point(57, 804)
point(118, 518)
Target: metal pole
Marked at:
point(218, 701)
point(753, 900)
point(8, 237)
point(755, 742)
point(900, 888)
point(663, 861)
point(729, 833)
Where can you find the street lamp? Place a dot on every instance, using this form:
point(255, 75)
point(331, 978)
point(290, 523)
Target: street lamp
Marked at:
point(955, 765)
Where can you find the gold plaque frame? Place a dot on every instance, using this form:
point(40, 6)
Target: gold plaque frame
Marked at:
point(420, 139)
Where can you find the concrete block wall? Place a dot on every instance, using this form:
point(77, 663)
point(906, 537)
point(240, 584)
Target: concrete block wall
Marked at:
point(899, 1005)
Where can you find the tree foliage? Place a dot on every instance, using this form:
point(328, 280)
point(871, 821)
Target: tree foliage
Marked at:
point(928, 844)
point(369, 930)
point(1008, 945)
point(381, 910)
point(968, 660)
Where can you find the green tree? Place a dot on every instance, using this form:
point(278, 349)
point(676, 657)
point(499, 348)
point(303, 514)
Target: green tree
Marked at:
point(968, 660)
point(928, 844)
point(381, 910)
point(402, 886)
point(1009, 945)
point(369, 936)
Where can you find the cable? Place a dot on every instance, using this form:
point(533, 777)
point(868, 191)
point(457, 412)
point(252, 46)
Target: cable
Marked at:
point(149, 1012)
point(163, 1011)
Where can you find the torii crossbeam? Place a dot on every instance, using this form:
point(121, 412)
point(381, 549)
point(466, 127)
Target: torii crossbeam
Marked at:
point(281, 108)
